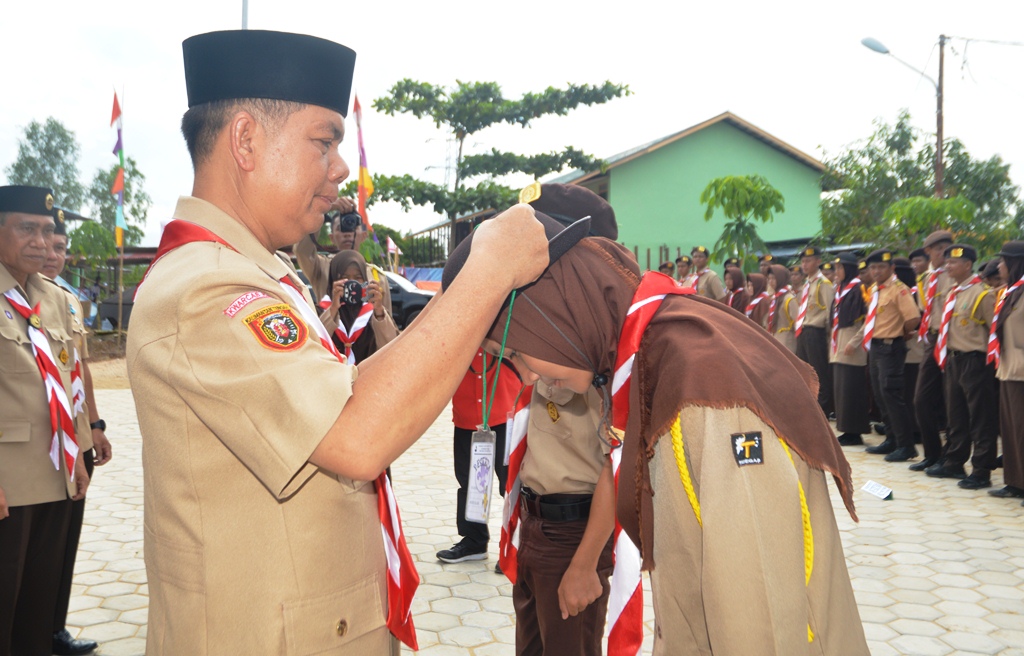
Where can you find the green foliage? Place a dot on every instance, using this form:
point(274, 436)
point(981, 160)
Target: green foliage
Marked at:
point(744, 199)
point(91, 243)
point(896, 163)
point(136, 201)
point(48, 156)
point(408, 191)
point(911, 218)
point(466, 109)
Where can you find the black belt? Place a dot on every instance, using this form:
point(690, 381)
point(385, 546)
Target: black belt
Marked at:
point(555, 507)
point(886, 340)
point(963, 353)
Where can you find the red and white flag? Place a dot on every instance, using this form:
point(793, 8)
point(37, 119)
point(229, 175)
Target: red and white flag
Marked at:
point(515, 434)
point(393, 247)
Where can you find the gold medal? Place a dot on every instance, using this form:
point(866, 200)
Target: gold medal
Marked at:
point(63, 356)
point(35, 321)
point(553, 412)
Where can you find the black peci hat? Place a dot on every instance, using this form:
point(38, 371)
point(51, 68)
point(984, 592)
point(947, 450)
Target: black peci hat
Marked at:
point(684, 259)
point(962, 251)
point(26, 200)
point(703, 250)
point(810, 251)
point(880, 256)
point(917, 252)
point(262, 64)
point(570, 203)
point(846, 258)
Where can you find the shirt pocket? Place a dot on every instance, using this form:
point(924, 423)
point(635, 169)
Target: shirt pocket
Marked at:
point(332, 622)
point(16, 350)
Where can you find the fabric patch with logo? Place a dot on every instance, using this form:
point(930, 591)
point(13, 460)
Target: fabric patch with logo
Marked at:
point(748, 448)
point(243, 300)
point(276, 327)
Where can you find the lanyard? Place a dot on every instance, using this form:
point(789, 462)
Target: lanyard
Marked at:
point(489, 404)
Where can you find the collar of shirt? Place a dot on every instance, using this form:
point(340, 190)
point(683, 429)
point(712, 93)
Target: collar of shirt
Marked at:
point(231, 230)
point(33, 289)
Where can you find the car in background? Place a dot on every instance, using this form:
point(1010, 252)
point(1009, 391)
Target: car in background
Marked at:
point(407, 300)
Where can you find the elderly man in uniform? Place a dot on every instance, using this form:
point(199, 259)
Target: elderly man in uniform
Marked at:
point(91, 433)
point(37, 414)
point(269, 526)
point(813, 324)
point(703, 280)
point(929, 394)
point(972, 396)
point(346, 234)
point(892, 315)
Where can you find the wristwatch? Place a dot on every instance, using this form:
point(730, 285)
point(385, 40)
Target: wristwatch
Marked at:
point(100, 424)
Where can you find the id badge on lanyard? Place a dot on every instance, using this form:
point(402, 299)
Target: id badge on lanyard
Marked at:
point(481, 472)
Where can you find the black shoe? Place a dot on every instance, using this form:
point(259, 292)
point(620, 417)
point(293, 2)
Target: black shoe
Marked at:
point(1008, 492)
point(497, 569)
point(924, 464)
point(462, 552)
point(888, 446)
point(902, 454)
point(850, 439)
point(999, 461)
point(831, 416)
point(976, 481)
point(65, 645)
point(942, 470)
point(878, 427)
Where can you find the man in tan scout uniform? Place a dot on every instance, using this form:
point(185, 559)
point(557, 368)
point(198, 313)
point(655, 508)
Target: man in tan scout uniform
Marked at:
point(812, 324)
point(929, 394)
point(317, 266)
point(705, 281)
point(90, 431)
point(35, 326)
point(972, 405)
point(892, 315)
point(263, 533)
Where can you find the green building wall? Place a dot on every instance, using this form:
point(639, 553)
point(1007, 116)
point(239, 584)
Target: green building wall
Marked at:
point(657, 196)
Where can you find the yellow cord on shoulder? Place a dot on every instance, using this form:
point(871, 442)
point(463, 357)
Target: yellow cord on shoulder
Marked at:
point(805, 514)
point(684, 470)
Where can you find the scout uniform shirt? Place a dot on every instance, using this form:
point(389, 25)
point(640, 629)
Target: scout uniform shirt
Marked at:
point(895, 307)
point(83, 431)
point(317, 268)
point(819, 300)
point(972, 315)
point(1011, 352)
point(27, 475)
point(945, 283)
point(249, 548)
point(564, 454)
point(707, 283)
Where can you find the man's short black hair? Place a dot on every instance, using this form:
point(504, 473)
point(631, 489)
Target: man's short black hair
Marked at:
point(202, 123)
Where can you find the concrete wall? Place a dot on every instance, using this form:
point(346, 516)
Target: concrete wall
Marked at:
point(657, 196)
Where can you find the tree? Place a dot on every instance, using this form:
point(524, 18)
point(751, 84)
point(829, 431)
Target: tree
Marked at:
point(466, 109)
point(889, 166)
point(91, 243)
point(136, 201)
point(743, 199)
point(906, 220)
point(48, 157)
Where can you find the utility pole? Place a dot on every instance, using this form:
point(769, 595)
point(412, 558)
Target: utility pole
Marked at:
point(938, 119)
point(245, 14)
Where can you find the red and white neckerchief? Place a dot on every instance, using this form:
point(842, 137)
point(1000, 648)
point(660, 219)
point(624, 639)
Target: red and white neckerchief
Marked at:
point(515, 434)
point(757, 299)
point(625, 602)
point(325, 302)
point(77, 386)
point(774, 307)
point(947, 314)
point(994, 350)
point(402, 576)
point(835, 312)
point(805, 297)
point(929, 300)
point(697, 275)
point(869, 322)
point(61, 421)
point(728, 297)
point(349, 336)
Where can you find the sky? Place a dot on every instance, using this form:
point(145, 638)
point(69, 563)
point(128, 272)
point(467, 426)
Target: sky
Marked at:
point(794, 68)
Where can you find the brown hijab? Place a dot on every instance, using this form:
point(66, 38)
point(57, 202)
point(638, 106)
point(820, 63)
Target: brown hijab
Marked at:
point(740, 297)
point(572, 316)
point(759, 283)
point(366, 345)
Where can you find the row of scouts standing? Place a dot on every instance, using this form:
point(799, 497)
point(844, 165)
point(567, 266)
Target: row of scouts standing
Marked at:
point(925, 344)
point(51, 434)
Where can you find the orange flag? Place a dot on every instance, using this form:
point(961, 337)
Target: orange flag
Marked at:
point(116, 112)
point(118, 182)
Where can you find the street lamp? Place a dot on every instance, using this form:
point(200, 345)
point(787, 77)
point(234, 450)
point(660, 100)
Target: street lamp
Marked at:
point(877, 46)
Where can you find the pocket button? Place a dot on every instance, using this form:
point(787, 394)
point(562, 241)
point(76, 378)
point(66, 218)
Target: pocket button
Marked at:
point(342, 628)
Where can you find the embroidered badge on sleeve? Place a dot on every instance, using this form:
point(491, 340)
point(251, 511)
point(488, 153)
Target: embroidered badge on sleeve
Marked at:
point(276, 327)
point(748, 448)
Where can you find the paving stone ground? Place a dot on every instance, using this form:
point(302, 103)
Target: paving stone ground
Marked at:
point(937, 570)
